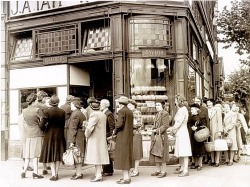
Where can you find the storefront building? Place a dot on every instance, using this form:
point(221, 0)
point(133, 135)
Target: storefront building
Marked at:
point(146, 50)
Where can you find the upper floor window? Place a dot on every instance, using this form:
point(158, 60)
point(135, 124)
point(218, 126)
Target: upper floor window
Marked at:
point(149, 31)
point(57, 40)
point(23, 46)
point(96, 36)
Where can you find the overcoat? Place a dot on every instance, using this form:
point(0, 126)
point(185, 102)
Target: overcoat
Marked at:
point(215, 126)
point(198, 148)
point(161, 123)
point(229, 124)
point(54, 143)
point(75, 133)
point(182, 142)
point(124, 139)
point(96, 145)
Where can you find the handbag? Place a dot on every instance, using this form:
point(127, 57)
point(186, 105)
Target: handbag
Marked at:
point(157, 148)
point(68, 157)
point(220, 145)
point(111, 146)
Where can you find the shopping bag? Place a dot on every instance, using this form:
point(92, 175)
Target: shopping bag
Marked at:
point(111, 146)
point(68, 157)
point(157, 148)
point(77, 155)
point(220, 145)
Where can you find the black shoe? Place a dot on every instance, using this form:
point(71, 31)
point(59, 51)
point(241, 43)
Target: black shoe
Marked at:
point(23, 175)
point(193, 167)
point(107, 174)
point(199, 168)
point(45, 172)
point(161, 175)
point(216, 165)
point(53, 178)
point(36, 176)
point(77, 177)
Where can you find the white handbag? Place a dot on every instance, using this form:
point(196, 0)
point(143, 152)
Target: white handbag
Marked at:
point(220, 145)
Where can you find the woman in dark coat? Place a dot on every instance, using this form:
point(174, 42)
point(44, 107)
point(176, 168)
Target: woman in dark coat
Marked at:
point(124, 140)
point(76, 135)
point(54, 143)
point(161, 123)
point(195, 124)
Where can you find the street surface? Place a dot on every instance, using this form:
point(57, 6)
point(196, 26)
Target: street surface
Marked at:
point(237, 175)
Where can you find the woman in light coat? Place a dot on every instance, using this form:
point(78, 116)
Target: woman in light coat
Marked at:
point(230, 130)
point(180, 130)
point(215, 127)
point(96, 150)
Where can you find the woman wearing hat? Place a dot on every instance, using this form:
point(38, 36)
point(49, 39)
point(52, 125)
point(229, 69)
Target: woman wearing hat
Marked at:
point(54, 143)
point(137, 138)
point(195, 124)
point(215, 127)
point(34, 136)
point(75, 136)
point(161, 123)
point(96, 149)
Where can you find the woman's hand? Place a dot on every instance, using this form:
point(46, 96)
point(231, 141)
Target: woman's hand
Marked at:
point(194, 128)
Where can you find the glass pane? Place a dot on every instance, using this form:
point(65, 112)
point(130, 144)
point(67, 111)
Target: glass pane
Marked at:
point(148, 84)
point(149, 32)
point(23, 49)
point(191, 84)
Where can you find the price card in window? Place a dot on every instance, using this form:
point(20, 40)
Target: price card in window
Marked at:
point(150, 104)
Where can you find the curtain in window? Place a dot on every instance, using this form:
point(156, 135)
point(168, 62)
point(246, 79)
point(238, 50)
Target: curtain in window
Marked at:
point(23, 49)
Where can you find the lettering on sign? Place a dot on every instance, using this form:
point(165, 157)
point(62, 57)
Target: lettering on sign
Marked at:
point(55, 60)
point(18, 8)
point(153, 53)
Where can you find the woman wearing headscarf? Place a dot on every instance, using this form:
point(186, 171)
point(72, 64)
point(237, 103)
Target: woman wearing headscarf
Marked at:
point(76, 135)
point(33, 136)
point(137, 138)
point(161, 123)
point(54, 143)
point(195, 123)
point(96, 149)
point(182, 142)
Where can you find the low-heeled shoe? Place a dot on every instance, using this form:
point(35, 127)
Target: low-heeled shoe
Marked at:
point(162, 175)
point(122, 181)
point(183, 174)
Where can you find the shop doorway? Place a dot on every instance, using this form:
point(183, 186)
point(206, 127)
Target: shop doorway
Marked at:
point(101, 82)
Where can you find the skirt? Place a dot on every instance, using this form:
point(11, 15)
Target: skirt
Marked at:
point(137, 147)
point(33, 147)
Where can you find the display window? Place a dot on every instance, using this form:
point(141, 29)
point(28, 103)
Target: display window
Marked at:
point(148, 85)
point(191, 81)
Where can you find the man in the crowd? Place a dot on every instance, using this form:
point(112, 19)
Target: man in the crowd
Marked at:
point(110, 125)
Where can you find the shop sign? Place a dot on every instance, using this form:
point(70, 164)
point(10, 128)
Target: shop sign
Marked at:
point(154, 53)
point(18, 8)
point(55, 60)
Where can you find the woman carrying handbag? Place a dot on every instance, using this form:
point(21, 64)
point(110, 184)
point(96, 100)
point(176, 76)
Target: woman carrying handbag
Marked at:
point(161, 123)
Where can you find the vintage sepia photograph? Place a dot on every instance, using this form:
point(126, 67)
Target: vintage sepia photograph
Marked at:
point(137, 93)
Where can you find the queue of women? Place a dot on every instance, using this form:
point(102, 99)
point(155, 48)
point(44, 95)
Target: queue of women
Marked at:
point(48, 131)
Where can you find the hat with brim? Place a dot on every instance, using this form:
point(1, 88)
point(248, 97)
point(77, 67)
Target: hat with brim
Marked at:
point(132, 101)
point(95, 105)
point(210, 99)
point(31, 98)
point(123, 100)
point(69, 98)
point(77, 103)
point(91, 100)
point(195, 105)
point(54, 100)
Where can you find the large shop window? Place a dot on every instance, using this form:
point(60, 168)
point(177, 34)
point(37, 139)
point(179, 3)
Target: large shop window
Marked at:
point(57, 40)
point(145, 32)
point(191, 84)
point(23, 47)
point(24, 93)
point(148, 84)
point(96, 36)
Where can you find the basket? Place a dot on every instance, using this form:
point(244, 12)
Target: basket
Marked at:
point(201, 135)
point(209, 146)
point(171, 140)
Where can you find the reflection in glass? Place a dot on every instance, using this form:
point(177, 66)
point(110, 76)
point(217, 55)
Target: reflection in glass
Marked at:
point(191, 84)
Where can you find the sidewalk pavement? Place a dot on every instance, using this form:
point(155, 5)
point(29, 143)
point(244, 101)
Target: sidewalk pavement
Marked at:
point(237, 175)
